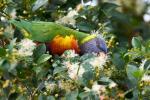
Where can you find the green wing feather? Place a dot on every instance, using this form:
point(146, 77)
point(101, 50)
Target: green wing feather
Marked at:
point(46, 31)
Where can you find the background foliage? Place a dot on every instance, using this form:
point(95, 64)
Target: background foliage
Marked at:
point(122, 24)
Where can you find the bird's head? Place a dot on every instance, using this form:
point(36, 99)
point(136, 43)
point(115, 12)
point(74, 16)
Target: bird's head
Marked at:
point(95, 45)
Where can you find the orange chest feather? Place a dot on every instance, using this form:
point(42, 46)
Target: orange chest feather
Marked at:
point(59, 44)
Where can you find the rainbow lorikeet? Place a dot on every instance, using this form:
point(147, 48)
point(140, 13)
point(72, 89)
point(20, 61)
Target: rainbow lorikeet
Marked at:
point(60, 38)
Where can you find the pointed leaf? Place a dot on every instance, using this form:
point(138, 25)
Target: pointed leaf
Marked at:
point(130, 70)
point(39, 51)
point(43, 58)
point(2, 52)
point(136, 43)
point(72, 95)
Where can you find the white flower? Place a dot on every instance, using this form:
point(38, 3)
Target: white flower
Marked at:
point(75, 70)
point(72, 54)
point(50, 86)
point(66, 64)
point(99, 61)
point(112, 85)
point(13, 14)
point(69, 18)
point(26, 47)
point(146, 78)
point(98, 88)
point(69, 54)
point(60, 84)
point(95, 32)
point(3, 19)
point(142, 64)
point(90, 3)
point(10, 30)
point(146, 17)
point(72, 13)
point(87, 89)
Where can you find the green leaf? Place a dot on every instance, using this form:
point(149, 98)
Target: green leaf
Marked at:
point(42, 97)
point(50, 98)
point(11, 45)
point(84, 26)
point(59, 70)
point(104, 81)
point(135, 94)
point(37, 69)
point(72, 95)
point(2, 52)
point(39, 51)
point(89, 96)
point(1, 62)
point(84, 95)
point(147, 46)
point(40, 71)
point(22, 97)
point(87, 77)
point(136, 43)
point(4, 64)
point(138, 74)
point(118, 60)
point(43, 58)
point(87, 66)
point(130, 70)
point(108, 8)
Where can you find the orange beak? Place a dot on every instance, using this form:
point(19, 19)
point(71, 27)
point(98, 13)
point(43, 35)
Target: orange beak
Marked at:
point(59, 44)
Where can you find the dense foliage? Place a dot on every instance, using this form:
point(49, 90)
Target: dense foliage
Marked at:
point(29, 72)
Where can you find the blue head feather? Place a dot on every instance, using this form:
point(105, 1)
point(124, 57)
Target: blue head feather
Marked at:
point(101, 44)
point(95, 45)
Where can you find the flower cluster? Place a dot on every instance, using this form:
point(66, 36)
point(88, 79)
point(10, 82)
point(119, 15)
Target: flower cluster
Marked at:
point(69, 18)
point(73, 72)
point(26, 47)
point(99, 60)
point(146, 78)
point(77, 68)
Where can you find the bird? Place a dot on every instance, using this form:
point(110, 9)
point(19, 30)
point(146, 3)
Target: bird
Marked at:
point(60, 38)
